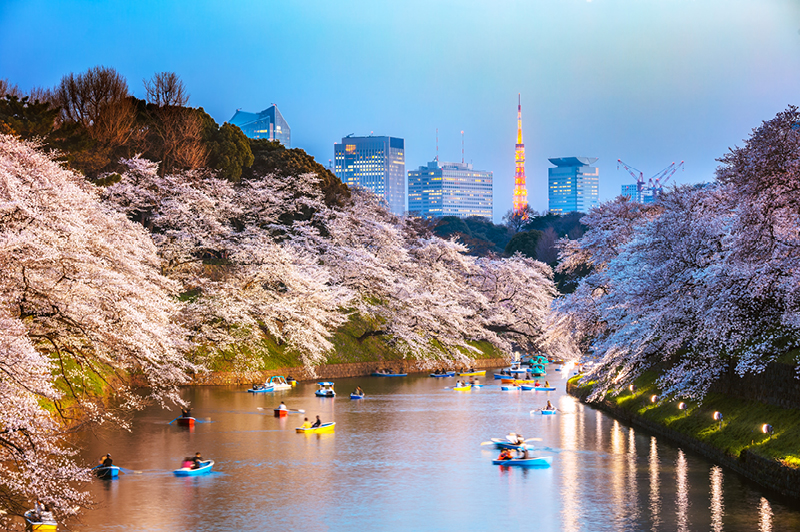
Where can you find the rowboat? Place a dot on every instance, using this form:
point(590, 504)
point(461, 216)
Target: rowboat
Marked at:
point(537, 370)
point(539, 461)
point(262, 388)
point(382, 374)
point(505, 444)
point(281, 412)
point(509, 388)
point(325, 389)
point(477, 385)
point(544, 412)
point(527, 387)
point(518, 382)
point(472, 373)
point(278, 382)
point(357, 396)
point(447, 374)
point(544, 388)
point(43, 523)
point(106, 471)
point(186, 421)
point(322, 429)
point(189, 472)
point(462, 388)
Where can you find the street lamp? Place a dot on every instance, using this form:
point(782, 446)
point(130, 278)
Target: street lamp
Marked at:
point(681, 406)
point(766, 428)
point(632, 388)
point(718, 417)
point(653, 398)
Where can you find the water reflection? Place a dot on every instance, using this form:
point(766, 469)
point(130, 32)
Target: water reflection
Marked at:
point(632, 502)
point(568, 461)
point(765, 516)
point(655, 498)
point(717, 507)
point(682, 492)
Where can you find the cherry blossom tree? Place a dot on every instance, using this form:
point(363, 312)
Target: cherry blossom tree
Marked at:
point(84, 311)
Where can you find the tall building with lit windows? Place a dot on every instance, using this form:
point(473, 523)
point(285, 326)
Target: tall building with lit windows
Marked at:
point(573, 185)
point(268, 124)
point(374, 163)
point(633, 192)
point(449, 189)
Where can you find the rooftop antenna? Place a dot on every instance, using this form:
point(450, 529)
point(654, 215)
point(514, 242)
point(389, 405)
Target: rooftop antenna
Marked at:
point(462, 146)
point(437, 144)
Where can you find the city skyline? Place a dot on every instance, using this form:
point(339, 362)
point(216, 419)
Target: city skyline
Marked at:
point(648, 82)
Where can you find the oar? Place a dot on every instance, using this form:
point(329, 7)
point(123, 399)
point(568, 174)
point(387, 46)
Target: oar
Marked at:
point(533, 439)
point(124, 470)
point(174, 420)
point(297, 411)
point(487, 443)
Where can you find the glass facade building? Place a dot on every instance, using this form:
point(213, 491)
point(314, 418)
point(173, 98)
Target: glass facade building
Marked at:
point(632, 191)
point(375, 163)
point(573, 185)
point(268, 124)
point(449, 189)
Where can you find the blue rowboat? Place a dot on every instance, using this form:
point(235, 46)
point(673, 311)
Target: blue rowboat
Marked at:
point(189, 472)
point(379, 374)
point(356, 396)
point(509, 388)
point(539, 461)
point(547, 412)
point(262, 389)
point(527, 387)
point(440, 375)
point(106, 472)
point(505, 444)
point(544, 388)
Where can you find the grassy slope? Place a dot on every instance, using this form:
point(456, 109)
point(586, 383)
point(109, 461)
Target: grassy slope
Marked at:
point(347, 349)
point(741, 427)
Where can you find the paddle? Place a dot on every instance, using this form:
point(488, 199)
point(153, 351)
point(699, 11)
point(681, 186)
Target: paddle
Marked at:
point(124, 470)
point(174, 420)
point(533, 439)
point(297, 411)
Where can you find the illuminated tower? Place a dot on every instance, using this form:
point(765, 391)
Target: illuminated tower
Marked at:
point(520, 192)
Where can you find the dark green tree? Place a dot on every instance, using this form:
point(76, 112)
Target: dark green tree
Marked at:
point(228, 149)
point(20, 116)
point(525, 242)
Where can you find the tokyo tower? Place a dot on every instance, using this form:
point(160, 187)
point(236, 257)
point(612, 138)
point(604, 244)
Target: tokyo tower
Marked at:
point(520, 192)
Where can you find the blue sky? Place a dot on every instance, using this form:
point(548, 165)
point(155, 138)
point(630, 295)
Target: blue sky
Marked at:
point(646, 81)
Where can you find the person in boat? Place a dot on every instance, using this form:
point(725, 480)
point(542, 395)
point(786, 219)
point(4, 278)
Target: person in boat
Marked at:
point(358, 391)
point(282, 406)
point(546, 384)
point(536, 383)
point(197, 461)
point(106, 461)
point(505, 454)
point(522, 452)
point(306, 424)
point(549, 406)
point(186, 412)
point(476, 382)
point(317, 423)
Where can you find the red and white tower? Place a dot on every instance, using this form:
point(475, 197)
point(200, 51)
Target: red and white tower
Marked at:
point(520, 191)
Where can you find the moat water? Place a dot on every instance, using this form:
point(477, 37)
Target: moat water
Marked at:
point(409, 457)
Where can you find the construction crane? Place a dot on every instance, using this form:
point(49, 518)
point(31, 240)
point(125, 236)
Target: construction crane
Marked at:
point(656, 183)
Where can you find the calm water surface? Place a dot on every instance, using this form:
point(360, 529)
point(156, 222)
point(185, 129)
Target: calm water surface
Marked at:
point(408, 457)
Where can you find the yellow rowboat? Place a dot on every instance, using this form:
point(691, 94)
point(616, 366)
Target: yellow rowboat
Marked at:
point(472, 373)
point(517, 382)
point(40, 523)
point(462, 388)
point(325, 428)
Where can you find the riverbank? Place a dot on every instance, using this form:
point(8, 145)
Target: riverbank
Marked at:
point(737, 442)
point(336, 371)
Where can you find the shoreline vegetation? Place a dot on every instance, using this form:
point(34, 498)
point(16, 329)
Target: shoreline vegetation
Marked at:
point(738, 441)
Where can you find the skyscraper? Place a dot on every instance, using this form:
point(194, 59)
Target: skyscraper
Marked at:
point(374, 163)
point(268, 124)
point(573, 185)
point(632, 191)
point(520, 190)
point(449, 189)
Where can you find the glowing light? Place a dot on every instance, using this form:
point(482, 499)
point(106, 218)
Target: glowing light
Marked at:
point(681, 406)
point(653, 398)
point(766, 428)
point(632, 388)
point(718, 416)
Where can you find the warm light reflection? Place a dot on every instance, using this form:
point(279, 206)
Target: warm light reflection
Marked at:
point(598, 427)
point(765, 516)
point(717, 507)
point(655, 497)
point(617, 468)
point(568, 461)
point(682, 492)
point(633, 492)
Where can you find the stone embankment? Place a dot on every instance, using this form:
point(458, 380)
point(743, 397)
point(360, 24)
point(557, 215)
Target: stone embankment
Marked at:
point(768, 473)
point(336, 371)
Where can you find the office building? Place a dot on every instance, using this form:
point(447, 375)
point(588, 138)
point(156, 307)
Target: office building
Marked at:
point(573, 185)
point(374, 163)
point(632, 191)
point(449, 189)
point(268, 124)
